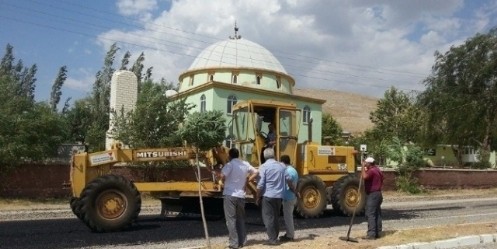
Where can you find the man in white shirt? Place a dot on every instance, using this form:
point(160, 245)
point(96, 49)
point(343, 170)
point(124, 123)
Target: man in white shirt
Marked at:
point(234, 175)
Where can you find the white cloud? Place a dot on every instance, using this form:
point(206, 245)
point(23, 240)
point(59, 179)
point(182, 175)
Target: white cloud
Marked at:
point(82, 85)
point(431, 38)
point(80, 81)
point(354, 46)
point(135, 7)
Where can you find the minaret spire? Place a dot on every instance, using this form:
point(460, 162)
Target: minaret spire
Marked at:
point(237, 36)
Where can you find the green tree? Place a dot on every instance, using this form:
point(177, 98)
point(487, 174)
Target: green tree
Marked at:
point(331, 130)
point(125, 61)
point(204, 130)
point(7, 63)
point(461, 95)
point(89, 118)
point(30, 130)
point(97, 121)
point(79, 118)
point(154, 122)
point(100, 103)
point(138, 67)
point(396, 116)
point(397, 120)
point(25, 78)
point(148, 74)
point(56, 88)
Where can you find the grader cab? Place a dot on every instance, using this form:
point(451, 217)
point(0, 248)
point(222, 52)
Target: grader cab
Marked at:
point(327, 173)
point(107, 201)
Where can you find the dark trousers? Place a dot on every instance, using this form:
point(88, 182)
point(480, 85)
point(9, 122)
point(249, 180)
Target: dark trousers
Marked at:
point(234, 213)
point(373, 213)
point(270, 216)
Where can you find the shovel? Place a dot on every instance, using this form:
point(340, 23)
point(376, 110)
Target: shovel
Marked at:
point(348, 238)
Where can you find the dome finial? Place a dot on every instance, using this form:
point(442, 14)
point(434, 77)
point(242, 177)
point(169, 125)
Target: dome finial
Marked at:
point(237, 36)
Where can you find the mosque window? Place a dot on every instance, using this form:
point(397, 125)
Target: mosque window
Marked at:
point(203, 105)
point(278, 82)
point(191, 80)
point(211, 77)
point(234, 78)
point(258, 79)
point(306, 115)
point(231, 102)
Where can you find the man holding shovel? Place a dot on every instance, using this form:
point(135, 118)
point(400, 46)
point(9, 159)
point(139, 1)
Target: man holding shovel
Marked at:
point(373, 182)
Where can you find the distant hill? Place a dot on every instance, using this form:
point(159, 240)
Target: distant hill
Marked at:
point(350, 110)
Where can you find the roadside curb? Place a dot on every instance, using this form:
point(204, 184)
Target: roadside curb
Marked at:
point(449, 243)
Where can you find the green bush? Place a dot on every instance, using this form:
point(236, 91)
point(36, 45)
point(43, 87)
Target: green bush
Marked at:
point(406, 181)
point(481, 165)
point(414, 157)
point(408, 184)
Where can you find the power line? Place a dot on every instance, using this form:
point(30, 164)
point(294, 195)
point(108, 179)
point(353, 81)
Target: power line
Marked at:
point(284, 54)
point(169, 44)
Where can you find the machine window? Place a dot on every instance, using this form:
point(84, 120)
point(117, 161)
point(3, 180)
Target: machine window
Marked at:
point(337, 159)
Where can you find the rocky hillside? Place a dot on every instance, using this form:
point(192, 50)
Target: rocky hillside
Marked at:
point(350, 110)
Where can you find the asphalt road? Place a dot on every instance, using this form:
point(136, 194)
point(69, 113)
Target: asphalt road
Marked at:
point(59, 228)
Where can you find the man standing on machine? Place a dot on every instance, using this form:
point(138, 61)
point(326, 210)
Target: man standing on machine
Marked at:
point(271, 136)
point(373, 182)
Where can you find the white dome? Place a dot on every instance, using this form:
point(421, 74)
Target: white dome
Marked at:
point(237, 53)
point(170, 93)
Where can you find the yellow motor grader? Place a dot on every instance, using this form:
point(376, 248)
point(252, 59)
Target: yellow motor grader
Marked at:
point(107, 201)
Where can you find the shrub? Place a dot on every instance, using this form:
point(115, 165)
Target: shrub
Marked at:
point(408, 184)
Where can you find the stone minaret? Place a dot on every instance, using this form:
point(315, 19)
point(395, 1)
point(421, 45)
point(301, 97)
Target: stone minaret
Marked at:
point(123, 94)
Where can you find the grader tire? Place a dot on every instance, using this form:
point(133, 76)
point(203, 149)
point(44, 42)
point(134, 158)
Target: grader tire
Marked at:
point(110, 203)
point(76, 207)
point(346, 196)
point(313, 198)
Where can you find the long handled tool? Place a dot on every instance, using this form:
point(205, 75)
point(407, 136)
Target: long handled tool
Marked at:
point(348, 238)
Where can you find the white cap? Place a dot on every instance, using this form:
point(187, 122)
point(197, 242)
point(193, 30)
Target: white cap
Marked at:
point(369, 160)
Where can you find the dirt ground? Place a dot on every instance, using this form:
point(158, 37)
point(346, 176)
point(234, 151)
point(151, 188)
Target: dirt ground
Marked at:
point(397, 237)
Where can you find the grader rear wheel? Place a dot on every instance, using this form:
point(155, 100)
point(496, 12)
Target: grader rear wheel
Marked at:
point(347, 197)
point(110, 203)
point(312, 200)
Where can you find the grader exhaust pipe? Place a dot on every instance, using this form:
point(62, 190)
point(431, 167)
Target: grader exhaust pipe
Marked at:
point(309, 130)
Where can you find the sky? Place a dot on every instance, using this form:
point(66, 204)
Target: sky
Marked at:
point(359, 46)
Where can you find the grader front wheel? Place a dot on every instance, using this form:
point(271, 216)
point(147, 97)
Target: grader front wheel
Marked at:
point(346, 196)
point(110, 203)
point(312, 200)
point(76, 204)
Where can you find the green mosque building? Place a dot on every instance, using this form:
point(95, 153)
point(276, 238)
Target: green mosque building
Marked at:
point(237, 69)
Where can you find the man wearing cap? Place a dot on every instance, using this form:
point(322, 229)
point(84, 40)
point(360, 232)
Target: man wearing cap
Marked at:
point(373, 182)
